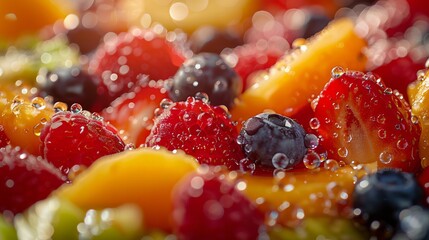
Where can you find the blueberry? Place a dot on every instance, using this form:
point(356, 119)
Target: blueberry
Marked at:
point(212, 40)
point(381, 196)
point(69, 85)
point(208, 73)
point(315, 23)
point(413, 224)
point(273, 140)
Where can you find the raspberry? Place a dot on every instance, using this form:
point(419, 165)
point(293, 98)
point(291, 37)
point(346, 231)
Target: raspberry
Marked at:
point(122, 62)
point(201, 130)
point(207, 207)
point(70, 139)
point(25, 179)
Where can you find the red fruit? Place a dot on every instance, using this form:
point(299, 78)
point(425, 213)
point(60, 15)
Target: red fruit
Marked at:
point(132, 112)
point(248, 60)
point(201, 130)
point(399, 73)
point(4, 140)
point(208, 207)
point(24, 180)
point(361, 121)
point(70, 139)
point(123, 61)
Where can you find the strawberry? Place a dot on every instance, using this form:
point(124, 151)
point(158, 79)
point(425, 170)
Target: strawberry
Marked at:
point(77, 138)
point(248, 60)
point(4, 140)
point(208, 207)
point(121, 62)
point(132, 112)
point(362, 121)
point(201, 130)
point(25, 179)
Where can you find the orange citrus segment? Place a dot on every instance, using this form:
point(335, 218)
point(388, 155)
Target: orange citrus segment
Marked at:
point(297, 78)
point(145, 177)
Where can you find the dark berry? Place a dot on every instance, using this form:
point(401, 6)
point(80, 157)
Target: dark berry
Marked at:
point(211, 40)
point(25, 179)
point(208, 73)
point(87, 39)
point(381, 196)
point(273, 140)
point(413, 224)
point(69, 85)
point(316, 21)
point(208, 207)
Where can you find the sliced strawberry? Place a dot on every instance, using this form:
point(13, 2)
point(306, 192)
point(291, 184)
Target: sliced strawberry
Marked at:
point(77, 138)
point(201, 130)
point(25, 179)
point(133, 112)
point(361, 121)
point(124, 60)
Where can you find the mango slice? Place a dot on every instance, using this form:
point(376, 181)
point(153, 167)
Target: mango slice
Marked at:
point(144, 177)
point(301, 74)
point(419, 99)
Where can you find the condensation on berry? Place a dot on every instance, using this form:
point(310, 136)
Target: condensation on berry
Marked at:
point(402, 144)
point(337, 72)
point(165, 103)
point(385, 157)
point(343, 152)
point(38, 103)
point(60, 107)
point(314, 123)
point(76, 108)
point(331, 165)
point(202, 96)
point(281, 161)
point(247, 165)
point(312, 160)
point(311, 141)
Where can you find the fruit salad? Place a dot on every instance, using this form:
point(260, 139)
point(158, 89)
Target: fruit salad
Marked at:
point(215, 119)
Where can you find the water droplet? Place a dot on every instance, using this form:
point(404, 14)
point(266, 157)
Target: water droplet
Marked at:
point(76, 108)
point(314, 123)
point(130, 146)
point(337, 72)
point(165, 103)
point(331, 165)
point(311, 141)
point(60, 107)
point(414, 119)
point(298, 43)
point(381, 119)
point(202, 96)
point(247, 165)
point(220, 85)
point(343, 152)
point(388, 91)
point(38, 103)
point(280, 161)
point(312, 160)
point(382, 134)
point(402, 144)
point(386, 157)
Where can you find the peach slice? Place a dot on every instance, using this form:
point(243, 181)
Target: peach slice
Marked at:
point(145, 177)
point(295, 195)
point(419, 99)
point(298, 77)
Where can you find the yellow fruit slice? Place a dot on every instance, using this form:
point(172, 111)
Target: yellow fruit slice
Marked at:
point(23, 119)
point(419, 99)
point(188, 15)
point(25, 17)
point(300, 76)
point(296, 195)
point(144, 177)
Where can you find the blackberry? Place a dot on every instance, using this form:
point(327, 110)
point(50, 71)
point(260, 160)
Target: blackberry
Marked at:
point(69, 85)
point(273, 140)
point(207, 73)
point(211, 40)
point(381, 196)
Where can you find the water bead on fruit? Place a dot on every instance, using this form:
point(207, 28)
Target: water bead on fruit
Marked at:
point(337, 72)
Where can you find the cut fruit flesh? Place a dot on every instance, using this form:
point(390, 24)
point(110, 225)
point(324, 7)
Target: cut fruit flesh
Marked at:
point(302, 74)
